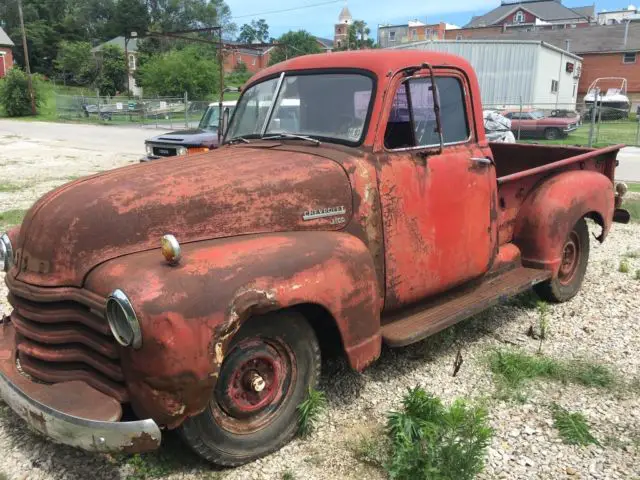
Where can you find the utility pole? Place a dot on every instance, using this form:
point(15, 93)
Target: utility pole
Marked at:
point(26, 60)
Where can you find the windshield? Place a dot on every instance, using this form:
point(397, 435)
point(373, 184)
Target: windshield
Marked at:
point(211, 118)
point(537, 115)
point(330, 106)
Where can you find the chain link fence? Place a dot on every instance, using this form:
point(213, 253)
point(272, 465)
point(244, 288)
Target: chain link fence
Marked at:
point(159, 112)
point(571, 124)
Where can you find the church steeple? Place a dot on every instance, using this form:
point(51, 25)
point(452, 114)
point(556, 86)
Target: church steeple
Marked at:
point(341, 31)
point(345, 17)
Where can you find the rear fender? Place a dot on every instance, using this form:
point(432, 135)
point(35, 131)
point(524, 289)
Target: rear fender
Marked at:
point(190, 312)
point(552, 209)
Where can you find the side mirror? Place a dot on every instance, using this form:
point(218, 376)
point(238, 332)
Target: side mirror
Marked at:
point(224, 125)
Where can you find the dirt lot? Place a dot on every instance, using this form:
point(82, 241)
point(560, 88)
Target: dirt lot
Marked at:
point(602, 324)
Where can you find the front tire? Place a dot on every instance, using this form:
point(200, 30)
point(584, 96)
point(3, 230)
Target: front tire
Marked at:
point(270, 365)
point(552, 134)
point(575, 257)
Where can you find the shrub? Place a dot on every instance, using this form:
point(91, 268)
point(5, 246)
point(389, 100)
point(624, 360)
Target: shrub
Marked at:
point(431, 441)
point(14, 93)
point(309, 411)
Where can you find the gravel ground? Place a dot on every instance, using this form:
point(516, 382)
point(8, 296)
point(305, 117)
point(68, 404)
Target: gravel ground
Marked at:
point(601, 323)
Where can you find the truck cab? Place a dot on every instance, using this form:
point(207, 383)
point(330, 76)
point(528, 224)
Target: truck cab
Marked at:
point(355, 201)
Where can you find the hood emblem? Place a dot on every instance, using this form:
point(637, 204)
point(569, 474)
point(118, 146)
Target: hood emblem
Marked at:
point(314, 214)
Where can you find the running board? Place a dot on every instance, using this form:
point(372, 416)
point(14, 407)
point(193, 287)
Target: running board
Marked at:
point(420, 321)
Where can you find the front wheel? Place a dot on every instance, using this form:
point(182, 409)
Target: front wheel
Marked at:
point(551, 134)
point(575, 257)
point(271, 363)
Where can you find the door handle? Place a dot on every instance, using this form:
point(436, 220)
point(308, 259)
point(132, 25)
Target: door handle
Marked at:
point(483, 160)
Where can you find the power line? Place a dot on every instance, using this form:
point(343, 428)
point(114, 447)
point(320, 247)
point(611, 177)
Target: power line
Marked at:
point(287, 9)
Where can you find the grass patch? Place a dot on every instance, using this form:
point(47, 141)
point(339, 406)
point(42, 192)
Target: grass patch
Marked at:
point(150, 466)
point(572, 427)
point(633, 206)
point(634, 187)
point(608, 133)
point(512, 369)
point(11, 218)
point(431, 441)
point(288, 475)
point(309, 411)
point(10, 187)
point(371, 450)
point(624, 266)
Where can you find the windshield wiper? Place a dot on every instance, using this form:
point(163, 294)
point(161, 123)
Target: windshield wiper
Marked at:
point(238, 139)
point(292, 136)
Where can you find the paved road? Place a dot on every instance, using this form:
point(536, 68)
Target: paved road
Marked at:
point(108, 139)
point(629, 168)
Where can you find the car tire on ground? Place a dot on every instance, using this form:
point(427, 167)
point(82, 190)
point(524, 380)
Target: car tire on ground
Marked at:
point(552, 134)
point(575, 257)
point(270, 365)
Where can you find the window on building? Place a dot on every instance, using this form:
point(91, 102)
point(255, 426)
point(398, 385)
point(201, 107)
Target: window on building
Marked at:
point(392, 36)
point(554, 86)
point(420, 128)
point(458, 37)
point(629, 57)
point(518, 17)
point(132, 62)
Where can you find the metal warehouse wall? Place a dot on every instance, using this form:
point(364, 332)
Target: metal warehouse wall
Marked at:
point(506, 71)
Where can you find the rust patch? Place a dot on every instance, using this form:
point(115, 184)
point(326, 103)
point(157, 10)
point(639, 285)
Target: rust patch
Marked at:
point(141, 443)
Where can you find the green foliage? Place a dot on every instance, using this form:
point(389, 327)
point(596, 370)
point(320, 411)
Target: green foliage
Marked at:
point(572, 427)
point(130, 16)
point(358, 37)
point(431, 441)
point(633, 206)
point(543, 321)
point(10, 218)
point(309, 411)
point(189, 70)
point(288, 475)
point(239, 76)
point(255, 32)
point(112, 76)
point(75, 63)
point(624, 266)
point(14, 93)
point(10, 187)
point(371, 450)
point(512, 369)
point(294, 44)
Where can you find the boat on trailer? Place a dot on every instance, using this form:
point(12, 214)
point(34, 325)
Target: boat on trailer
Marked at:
point(609, 93)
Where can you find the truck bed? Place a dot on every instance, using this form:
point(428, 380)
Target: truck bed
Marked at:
point(520, 167)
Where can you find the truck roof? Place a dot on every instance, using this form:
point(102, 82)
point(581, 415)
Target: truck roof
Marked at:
point(379, 62)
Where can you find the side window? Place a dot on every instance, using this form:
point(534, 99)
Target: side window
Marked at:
point(509, 115)
point(419, 128)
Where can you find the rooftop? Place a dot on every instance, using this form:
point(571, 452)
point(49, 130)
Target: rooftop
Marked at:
point(547, 10)
point(5, 41)
point(118, 42)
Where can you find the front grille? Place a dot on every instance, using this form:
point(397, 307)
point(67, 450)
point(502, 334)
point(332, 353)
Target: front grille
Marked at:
point(164, 151)
point(65, 341)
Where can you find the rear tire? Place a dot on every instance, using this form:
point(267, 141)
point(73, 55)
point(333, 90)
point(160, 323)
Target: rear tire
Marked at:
point(575, 257)
point(246, 420)
point(552, 134)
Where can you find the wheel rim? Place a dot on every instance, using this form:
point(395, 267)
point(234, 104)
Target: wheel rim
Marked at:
point(551, 135)
point(255, 380)
point(570, 259)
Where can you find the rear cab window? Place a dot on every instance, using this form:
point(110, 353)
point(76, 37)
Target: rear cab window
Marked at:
point(412, 120)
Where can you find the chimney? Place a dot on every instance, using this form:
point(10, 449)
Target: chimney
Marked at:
point(626, 32)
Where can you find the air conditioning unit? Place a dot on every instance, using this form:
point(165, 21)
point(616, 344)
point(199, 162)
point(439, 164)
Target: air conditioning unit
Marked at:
point(577, 72)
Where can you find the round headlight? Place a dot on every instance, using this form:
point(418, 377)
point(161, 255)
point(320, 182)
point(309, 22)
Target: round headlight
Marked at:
point(6, 253)
point(122, 320)
point(182, 151)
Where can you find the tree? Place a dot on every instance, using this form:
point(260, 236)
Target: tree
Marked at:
point(256, 32)
point(358, 37)
point(112, 73)
point(14, 93)
point(130, 16)
point(190, 70)
point(75, 63)
point(294, 44)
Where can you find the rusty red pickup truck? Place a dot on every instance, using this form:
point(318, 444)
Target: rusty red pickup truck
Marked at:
point(201, 294)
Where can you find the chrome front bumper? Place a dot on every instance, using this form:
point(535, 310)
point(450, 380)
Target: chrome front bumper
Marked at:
point(105, 434)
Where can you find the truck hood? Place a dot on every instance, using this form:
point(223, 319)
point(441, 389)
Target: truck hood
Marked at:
point(231, 191)
point(193, 137)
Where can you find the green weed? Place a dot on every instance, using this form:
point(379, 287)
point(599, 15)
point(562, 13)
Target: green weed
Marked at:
point(288, 475)
point(431, 441)
point(637, 276)
point(624, 266)
point(371, 450)
point(10, 187)
point(11, 218)
point(309, 411)
point(572, 427)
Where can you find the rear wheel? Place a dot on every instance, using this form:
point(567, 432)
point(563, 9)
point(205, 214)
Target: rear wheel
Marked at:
point(575, 257)
point(551, 134)
point(270, 366)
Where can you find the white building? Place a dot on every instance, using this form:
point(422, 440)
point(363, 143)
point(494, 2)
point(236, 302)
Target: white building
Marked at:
point(534, 72)
point(614, 17)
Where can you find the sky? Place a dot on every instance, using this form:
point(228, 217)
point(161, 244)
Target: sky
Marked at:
point(320, 19)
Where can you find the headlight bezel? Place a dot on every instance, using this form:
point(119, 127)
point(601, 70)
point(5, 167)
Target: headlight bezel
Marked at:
point(182, 151)
point(6, 253)
point(122, 320)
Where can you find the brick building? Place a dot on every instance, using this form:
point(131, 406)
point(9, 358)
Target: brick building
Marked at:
point(413, 31)
point(6, 54)
point(535, 14)
point(255, 58)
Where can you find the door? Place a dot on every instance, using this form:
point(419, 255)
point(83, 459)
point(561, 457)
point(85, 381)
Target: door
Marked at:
point(436, 204)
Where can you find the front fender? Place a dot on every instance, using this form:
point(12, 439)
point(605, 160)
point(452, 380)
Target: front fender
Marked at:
point(549, 213)
point(189, 313)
